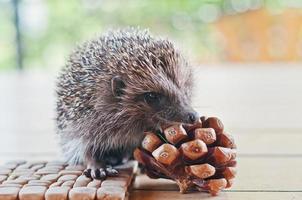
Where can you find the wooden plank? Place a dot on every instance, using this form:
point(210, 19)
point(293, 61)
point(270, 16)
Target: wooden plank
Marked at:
point(264, 143)
point(29, 143)
point(269, 173)
point(254, 174)
point(243, 96)
point(29, 157)
point(142, 182)
point(261, 130)
point(173, 195)
point(249, 96)
point(27, 103)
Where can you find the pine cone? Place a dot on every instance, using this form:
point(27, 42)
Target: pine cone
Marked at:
point(200, 156)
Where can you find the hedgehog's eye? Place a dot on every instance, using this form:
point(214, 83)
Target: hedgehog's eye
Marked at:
point(152, 98)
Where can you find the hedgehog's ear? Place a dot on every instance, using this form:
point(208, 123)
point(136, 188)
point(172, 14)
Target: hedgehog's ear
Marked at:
point(117, 86)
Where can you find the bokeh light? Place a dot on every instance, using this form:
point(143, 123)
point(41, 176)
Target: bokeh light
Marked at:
point(210, 31)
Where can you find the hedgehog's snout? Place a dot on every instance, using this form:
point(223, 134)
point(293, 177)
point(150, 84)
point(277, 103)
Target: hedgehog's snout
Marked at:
point(181, 115)
point(188, 116)
point(192, 117)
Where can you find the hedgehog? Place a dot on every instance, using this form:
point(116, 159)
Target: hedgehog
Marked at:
point(115, 87)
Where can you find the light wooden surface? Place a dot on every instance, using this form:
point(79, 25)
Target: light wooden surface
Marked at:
point(172, 195)
point(259, 104)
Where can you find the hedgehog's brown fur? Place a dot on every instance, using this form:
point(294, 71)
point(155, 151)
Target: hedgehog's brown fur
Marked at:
point(92, 122)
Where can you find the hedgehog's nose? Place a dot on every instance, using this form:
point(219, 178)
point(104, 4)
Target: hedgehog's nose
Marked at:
point(192, 117)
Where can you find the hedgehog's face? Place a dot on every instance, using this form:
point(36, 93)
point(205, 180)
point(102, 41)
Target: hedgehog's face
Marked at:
point(157, 102)
point(168, 110)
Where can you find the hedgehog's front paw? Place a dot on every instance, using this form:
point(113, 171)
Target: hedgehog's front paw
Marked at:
point(110, 171)
point(100, 173)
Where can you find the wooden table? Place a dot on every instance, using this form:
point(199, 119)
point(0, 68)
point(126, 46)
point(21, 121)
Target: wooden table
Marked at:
point(259, 104)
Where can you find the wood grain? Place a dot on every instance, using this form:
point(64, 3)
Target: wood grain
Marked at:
point(254, 174)
point(173, 195)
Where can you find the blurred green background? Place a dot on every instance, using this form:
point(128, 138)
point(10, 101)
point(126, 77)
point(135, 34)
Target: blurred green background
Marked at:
point(208, 30)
